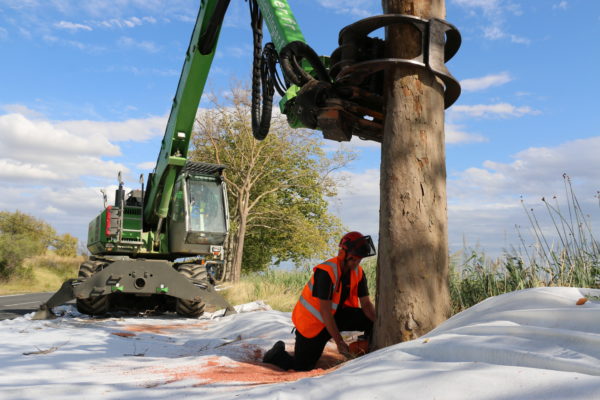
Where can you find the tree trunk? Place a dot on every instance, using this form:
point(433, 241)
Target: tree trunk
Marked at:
point(236, 268)
point(228, 261)
point(412, 271)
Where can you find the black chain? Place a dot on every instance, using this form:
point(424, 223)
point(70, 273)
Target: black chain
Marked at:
point(262, 79)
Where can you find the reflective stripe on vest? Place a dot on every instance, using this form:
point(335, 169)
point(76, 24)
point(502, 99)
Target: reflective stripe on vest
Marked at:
point(309, 307)
point(334, 306)
point(306, 315)
point(334, 267)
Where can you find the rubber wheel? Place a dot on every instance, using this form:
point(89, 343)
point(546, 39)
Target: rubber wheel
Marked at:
point(195, 273)
point(96, 305)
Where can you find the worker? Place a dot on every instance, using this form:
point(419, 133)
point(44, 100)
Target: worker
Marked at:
point(206, 208)
point(335, 299)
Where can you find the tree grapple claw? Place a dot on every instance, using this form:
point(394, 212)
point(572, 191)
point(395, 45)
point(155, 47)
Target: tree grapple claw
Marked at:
point(354, 106)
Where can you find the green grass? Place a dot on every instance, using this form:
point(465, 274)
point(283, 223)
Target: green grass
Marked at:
point(44, 273)
point(281, 289)
point(472, 278)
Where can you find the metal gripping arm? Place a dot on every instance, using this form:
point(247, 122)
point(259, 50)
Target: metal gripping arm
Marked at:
point(175, 143)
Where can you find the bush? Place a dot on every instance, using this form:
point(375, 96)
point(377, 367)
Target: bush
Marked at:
point(65, 245)
point(13, 251)
point(23, 236)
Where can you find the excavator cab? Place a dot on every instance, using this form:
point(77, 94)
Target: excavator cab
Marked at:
point(199, 218)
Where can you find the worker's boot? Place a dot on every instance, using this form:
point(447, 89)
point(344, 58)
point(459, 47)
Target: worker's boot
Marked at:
point(275, 352)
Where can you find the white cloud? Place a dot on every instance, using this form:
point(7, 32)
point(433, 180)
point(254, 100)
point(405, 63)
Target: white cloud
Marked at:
point(34, 150)
point(533, 168)
point(21, 109)
point(19, 133)
point(503, 110)
point(455, 135)
point(25, 33)
point(72, 43)
point(53, 210)
point(131, 22)
point(358, 201)
point(147, 166)
point(110, 8)
point(16, 171)
point(20, 4)
point(484, 202)
point(3, 33)
point(102, 8)
point(358, 8)
point(147, 46)
point(67, 209)
point(495, 13)
point(491, 8)
point(519, 39)
point(563, 5)
point(50, 38)
point(493, 33)
point(239, 52)
point(475, 84)
point(33, 18)
point(54, 170)
point(132, 129)
point(72, 26)
point(496, 33)
point(143, 71)
point(487, 6)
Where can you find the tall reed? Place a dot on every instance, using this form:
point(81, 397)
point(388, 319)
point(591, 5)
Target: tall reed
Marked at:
point(565, 255)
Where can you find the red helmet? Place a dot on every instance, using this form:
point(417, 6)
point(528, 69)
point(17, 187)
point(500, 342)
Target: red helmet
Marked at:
point(357, 244)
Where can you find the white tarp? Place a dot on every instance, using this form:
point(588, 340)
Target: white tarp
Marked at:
point(531, 344)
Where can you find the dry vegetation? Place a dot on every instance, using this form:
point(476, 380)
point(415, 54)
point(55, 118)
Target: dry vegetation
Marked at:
point(44, 273)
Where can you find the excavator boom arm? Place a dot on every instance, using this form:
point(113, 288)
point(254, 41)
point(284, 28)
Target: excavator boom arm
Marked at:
point(173, 153)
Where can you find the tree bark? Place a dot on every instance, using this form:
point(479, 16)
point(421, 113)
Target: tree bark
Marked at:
point(412, 271)
point(243, 209)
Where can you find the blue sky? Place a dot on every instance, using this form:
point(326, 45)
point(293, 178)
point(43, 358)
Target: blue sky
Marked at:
point(85, 88)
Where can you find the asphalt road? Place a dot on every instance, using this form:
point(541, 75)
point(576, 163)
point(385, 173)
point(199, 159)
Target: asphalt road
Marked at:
point(15, 305)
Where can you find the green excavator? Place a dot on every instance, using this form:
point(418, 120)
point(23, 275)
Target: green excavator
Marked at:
point(152, 248)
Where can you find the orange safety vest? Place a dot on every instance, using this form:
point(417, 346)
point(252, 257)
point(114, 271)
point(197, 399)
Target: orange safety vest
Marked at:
point(306, 316)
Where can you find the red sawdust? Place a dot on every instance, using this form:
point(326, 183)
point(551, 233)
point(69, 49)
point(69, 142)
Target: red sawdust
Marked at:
point(123, 334)
point(251, 371)
point(161, 329)
point(581, 301)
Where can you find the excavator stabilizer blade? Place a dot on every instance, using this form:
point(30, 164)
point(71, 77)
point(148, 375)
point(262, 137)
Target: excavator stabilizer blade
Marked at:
point(64, 294)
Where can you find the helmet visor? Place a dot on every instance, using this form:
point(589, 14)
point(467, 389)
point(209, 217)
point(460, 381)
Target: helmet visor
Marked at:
point(361, 247)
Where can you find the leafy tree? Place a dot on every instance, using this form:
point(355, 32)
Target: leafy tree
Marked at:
point(13, 251)
point(278, 187)
point(21, 236)
point(65, 245)
point(18, 223)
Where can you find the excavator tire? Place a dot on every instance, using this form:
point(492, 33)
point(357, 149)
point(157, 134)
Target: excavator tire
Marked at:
point(96, 305)
point(195, 273)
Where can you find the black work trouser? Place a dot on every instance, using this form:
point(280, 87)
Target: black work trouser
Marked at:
point(308, 351)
